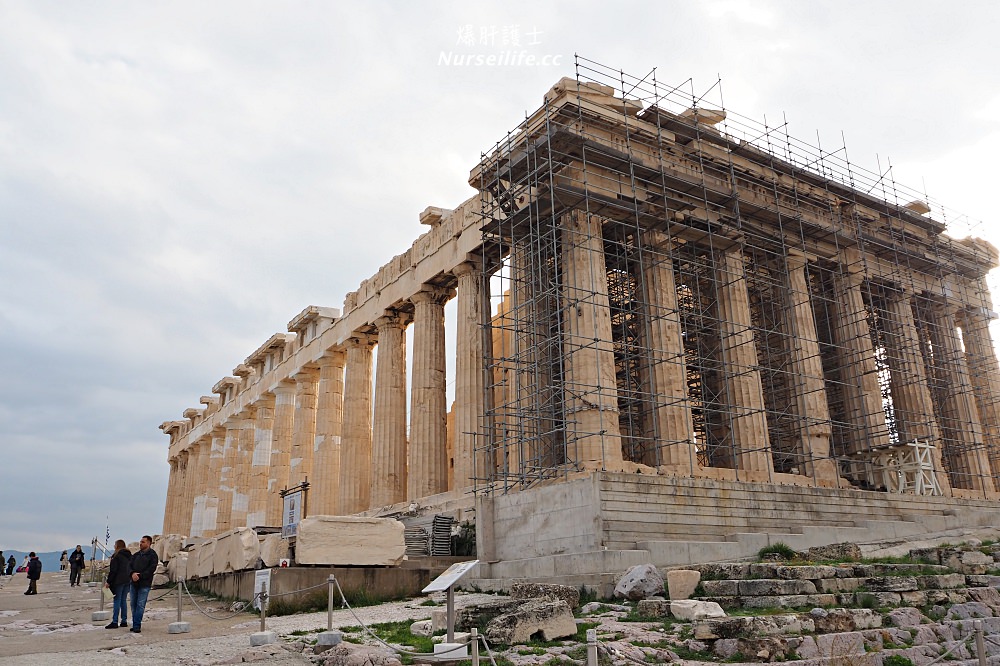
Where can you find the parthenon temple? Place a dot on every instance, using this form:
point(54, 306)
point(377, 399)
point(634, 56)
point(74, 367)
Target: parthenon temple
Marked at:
point(672, 323)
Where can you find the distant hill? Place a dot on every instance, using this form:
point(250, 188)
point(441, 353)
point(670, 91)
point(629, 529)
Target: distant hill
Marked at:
point(50, 561)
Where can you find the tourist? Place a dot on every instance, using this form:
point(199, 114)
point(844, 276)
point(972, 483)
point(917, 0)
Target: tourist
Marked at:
point(77, 561)
point(2, 563)
point(63, 561)
point(118, 582)
point(24, 564)
point(11, 563)
point(34, 573)
point(142, 566)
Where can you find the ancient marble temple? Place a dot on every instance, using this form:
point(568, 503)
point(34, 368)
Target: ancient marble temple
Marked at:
point(644, 286)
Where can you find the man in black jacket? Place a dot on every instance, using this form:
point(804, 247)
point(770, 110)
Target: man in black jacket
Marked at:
point(142, 566)
point(34, 573)
point(77, 561)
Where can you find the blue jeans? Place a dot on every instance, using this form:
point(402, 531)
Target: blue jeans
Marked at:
point(139, 596)
point(121, 602)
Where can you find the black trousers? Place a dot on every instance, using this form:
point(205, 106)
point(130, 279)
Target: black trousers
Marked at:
point(74, 575)
point(32, 586)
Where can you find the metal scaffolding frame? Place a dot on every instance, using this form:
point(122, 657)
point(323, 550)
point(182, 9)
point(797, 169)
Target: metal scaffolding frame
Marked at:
point(585, 209)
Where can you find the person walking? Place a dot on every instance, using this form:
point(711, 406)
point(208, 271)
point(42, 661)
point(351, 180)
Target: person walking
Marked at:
point(3, 563)
point(11, 563)
point(77, 561)
point(63, 561)
point(119, 581)
point(34, 573)
point(142, 566)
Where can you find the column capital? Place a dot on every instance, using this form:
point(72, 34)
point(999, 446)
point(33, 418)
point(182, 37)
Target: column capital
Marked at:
point(359, 339)
point(470, 265)
point(331, 356)
point(283, 387)
point(306, 375)
point(392, 319)
point(434, 295)
point(795, 260)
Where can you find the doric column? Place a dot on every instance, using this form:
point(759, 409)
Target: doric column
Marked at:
point(388, 486)
point(469, 410)
point(593, 437)
point(748, 421)
point(356, 443)
point(281, 449)
point(260, 461)
point(963, 440)
point(210, 514)
point(304, 439)
point(672, 430)
point(985, 376)
point(202, 462)
point(806, 376)
point(428, 451)
point(170, 508)
point(243, 457)
point(324, 493)
point(911, 395)
point(227, 478)
point(856, 360)
point(180, 514)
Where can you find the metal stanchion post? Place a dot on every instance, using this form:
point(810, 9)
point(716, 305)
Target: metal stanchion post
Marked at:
point(591, 647)
point(179, 627)
point(474, 639)
point(980, 643)
point(263, 637)
point(328, 638)
point(100, 615)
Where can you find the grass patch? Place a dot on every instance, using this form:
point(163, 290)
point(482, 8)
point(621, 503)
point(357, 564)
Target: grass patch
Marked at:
point(779, 549)
point(428, 602)
point(306, 632)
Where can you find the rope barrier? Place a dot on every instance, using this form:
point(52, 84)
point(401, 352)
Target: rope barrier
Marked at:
point(305, 589)
point(242, 605)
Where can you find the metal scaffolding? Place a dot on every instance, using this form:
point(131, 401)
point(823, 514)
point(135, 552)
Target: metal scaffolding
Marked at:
point(668, 276)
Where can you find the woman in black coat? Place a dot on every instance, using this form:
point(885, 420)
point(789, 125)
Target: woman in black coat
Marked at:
point(118, 582)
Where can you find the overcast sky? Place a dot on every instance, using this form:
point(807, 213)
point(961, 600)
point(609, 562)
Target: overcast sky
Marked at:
point(178, 180)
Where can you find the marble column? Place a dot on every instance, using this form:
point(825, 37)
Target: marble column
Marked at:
point(210, 513)
point(227, 477)
point(912, 403)
point(748, 421)
point(963, 439)
point(170, 508)
point(242, 469)
point(356, 445)
point(324, 493)
point(304, 439)
point(428, 451)
point(388, 485)
point(672, 429)
point(202, 457)
point(862, 394)
point(470, 354)
point(985, 376)
point(181, 511)
point(260, 461)
point(281, 449)
point(593, 436)
point(806, 376)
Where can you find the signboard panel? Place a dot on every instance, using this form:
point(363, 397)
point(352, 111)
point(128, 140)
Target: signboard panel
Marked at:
point(261, 577)
point(450, 576)
point(291, 514)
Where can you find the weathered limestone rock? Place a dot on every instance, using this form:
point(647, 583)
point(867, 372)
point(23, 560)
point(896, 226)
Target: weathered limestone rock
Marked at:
point(835, 551)
point(987, 595)
point(476, 616)
point(177, 567)
point(653, 608)
point(865, 618)
point(569, 594)
point(550, 619)
point(692, 609)
point(969, 610)
point(945, 582)
point(832, 621)
point(159, 580)
point(892, 584)
point(968, 561)
point(350, 540)
point(776, 587)
point(220, 555)
point(206, 559)
point(167, 546)
point(905, 618)
point(422, 628)
point(721, 588)
point(272, 549)
point(350, 654)
point(640, 582)
point(681, 583)
point(236, 550)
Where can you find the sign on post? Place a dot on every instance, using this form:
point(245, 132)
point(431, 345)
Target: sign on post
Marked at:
point(293, 508)
point(450, 576)
point(261, 577)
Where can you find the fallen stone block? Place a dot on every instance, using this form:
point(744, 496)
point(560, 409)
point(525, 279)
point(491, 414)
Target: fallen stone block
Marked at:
point(722, 628)
point(941, 582)
point(693, 609)
point(569, 594)
point(905, 618)
point(351, 654)
point(349, 540)
point(805, 573)
point(834, 585)
point(835, 551)
point(969, 610)
point(422, 628)
point(160, 580)
point(206, 559)
point(640, 582)
point(177, 567)
point(167, 546)
point(548, 619)
point(681, 583)
point(865, 618)
point(987, 595)
point(272, 549)
point(835, 621)
point(653, 608)
point(917, 598)
point(478, 615)
point(723, 571)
